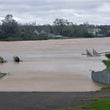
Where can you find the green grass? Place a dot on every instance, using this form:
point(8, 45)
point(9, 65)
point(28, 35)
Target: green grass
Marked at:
point(98, 104)
point(69, 108)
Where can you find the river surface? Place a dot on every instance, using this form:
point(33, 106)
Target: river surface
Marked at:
point(52, 65)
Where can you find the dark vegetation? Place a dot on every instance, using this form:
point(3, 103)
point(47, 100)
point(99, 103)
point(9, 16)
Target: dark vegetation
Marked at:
point(107, 62)
point(96, 104)
point(17, 59)
point(108, 56)
point(11, 30)
point(2, 60)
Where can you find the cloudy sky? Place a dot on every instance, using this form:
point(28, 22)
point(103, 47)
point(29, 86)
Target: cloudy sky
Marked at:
point(45, 11)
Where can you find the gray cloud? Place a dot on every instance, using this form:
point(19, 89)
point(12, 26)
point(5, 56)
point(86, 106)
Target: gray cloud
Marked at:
point(45, 11)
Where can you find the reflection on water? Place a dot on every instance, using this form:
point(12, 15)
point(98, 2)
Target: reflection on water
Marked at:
point(53, 57)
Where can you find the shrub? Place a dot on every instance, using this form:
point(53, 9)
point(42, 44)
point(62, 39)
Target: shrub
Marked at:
point(107, 55)
point(17, 59)
point(2, 60)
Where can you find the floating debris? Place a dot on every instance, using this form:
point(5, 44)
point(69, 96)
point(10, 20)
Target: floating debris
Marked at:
point(92, 54)
point(3, 74)
point(95, 53)
point(88, 53)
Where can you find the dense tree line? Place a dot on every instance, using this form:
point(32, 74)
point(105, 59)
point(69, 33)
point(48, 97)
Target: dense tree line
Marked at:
point(11, 30)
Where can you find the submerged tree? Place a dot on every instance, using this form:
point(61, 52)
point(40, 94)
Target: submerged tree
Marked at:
point(2, 60)
point(107, 62)
point(17, 59)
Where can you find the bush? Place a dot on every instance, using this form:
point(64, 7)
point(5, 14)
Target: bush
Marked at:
point(17, 59)
point(107, 55)
point(2, 60)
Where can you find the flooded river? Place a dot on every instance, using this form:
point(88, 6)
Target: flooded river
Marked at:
point(52, 65)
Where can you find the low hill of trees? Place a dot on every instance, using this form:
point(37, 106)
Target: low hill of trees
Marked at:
point(11, 30)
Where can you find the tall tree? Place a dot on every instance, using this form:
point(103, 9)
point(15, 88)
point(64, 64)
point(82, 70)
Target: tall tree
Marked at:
point(59, 25)
point(9, 27)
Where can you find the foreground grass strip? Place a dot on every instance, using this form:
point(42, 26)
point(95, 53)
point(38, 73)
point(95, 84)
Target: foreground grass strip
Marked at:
point(99, 104)
point(70, 108)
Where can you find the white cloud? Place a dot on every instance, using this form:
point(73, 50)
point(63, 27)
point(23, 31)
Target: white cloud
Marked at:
point(45, 11)
point(104, 8)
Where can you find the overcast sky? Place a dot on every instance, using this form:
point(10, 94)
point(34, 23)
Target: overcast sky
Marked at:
point(45, 11)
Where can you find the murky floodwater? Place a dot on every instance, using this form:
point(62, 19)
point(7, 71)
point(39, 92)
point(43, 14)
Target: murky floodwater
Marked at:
point(54, 65)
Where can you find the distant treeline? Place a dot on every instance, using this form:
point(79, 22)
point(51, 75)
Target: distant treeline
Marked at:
point(11, 30)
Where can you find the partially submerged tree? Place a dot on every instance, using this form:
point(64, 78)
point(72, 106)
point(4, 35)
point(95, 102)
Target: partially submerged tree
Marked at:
point(107, 55)
point(2, 60)
point(17, 59)
point(107, 62)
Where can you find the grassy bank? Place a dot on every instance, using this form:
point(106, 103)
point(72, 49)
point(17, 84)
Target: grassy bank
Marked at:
point(99, 104)
point(93, 104)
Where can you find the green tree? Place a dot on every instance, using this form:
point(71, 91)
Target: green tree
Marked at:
point(9, 27)
point(59, 25)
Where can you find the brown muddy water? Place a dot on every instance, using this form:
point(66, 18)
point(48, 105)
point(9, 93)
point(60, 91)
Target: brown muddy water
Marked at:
point(52, 65)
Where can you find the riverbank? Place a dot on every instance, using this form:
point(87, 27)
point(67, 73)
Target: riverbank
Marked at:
point(47, 100)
